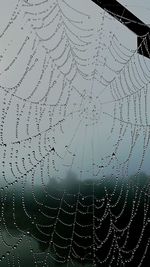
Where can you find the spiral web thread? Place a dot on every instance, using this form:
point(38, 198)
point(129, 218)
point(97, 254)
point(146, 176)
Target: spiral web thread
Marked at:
point(60, 80)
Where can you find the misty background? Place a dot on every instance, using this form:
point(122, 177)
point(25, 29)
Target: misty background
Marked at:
point(81, 145)
point(55, 127)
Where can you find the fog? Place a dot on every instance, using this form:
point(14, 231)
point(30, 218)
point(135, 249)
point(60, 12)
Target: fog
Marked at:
point(74, 131)
point(90, 140)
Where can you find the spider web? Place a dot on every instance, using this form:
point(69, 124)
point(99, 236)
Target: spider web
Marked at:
point(67, 90)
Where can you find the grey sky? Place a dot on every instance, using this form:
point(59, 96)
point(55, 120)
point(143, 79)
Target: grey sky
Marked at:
point(77, 146)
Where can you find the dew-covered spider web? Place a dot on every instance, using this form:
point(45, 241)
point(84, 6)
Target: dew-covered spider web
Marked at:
point(74, 126)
